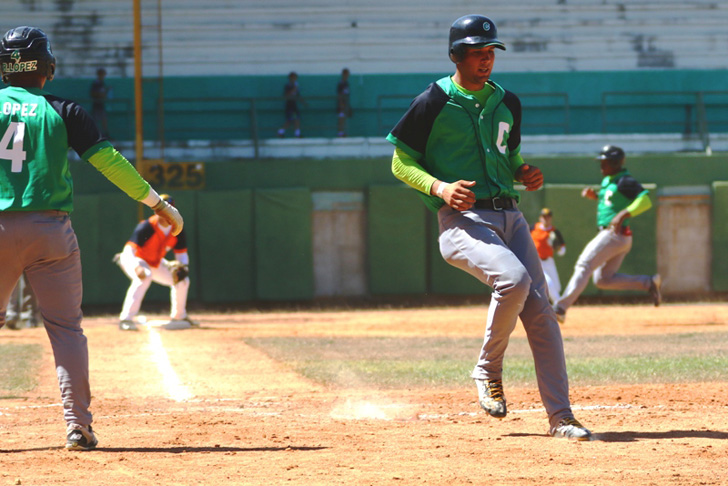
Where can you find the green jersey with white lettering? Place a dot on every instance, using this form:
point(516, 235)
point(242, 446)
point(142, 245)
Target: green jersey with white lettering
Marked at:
point(36, 131)
point(617, 192)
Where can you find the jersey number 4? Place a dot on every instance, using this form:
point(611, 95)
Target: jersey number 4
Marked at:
point(11, 146)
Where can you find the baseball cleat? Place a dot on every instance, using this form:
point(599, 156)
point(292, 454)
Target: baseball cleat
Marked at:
point(570, 428)
point(655, 286)
point(80, 438)
point(189, 321)
point(560, 314)
point(127, 325)
point(491, 397)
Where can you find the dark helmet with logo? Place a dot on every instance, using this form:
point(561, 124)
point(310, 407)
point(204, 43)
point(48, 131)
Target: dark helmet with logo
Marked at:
point(26, 49)
point(611, 153)
point(472, 30)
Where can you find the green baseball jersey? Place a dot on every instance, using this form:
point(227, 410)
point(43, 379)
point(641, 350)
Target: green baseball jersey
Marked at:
point(36, 131)
point(455, 136)
point(617, 192)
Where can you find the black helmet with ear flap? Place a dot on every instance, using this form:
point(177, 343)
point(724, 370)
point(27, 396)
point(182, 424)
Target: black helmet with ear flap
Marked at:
point(472, 30)
point(26, 49)
point(611, 153)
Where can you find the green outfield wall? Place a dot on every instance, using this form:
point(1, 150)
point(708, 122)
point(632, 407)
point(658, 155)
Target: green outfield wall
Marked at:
point(250, 230)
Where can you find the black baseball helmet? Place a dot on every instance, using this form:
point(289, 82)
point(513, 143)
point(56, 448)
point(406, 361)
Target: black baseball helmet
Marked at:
point(25, 49)
point(611, 152)
point(472, 30)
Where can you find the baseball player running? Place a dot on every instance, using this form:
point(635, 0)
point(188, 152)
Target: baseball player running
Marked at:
point(459, 145)
point(36, 197)
point(548, 240)
point(621, 197)
point(142, 260)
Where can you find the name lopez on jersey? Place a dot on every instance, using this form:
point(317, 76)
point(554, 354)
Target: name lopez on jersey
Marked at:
point(25, 109)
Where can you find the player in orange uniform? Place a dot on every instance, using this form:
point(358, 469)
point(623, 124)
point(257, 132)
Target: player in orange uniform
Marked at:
point(549, 240)
point(142, 260)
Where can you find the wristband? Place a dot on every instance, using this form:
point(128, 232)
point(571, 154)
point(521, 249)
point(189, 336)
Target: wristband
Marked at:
point(440, 189)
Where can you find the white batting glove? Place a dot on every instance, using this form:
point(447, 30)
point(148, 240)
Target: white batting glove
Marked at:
point(170, 214)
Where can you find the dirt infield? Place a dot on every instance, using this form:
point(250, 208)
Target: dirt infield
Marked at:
point(199, 406)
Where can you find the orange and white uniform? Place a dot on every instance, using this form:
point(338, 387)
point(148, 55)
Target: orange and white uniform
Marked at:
point(542, 237)
point(142, 260)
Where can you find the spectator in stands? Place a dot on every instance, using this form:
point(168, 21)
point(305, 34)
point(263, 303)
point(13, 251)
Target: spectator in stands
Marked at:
point(292, 95)
point(343, 108)
point(100, 92)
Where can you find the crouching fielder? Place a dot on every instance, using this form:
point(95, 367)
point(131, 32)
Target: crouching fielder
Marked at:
point(142, 260)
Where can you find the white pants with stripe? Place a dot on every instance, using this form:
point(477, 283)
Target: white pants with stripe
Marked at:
point(139, 286)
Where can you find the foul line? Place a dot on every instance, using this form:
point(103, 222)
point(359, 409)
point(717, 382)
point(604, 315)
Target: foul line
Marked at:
point(173, 386)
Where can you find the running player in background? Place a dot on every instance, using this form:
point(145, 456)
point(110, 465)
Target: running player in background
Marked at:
point(621, 197)
point(36, 196)
point(548, 240)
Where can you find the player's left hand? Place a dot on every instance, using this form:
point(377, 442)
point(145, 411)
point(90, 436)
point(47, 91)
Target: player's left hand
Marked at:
point(616, 223)
point(530, 176)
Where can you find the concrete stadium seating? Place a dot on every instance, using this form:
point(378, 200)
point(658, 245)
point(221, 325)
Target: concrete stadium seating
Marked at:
point(229, 37)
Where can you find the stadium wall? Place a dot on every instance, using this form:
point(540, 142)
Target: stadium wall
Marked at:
point(251, 230)
point(220, 108)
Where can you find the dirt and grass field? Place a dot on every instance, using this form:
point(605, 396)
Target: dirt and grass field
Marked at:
point(373, 397)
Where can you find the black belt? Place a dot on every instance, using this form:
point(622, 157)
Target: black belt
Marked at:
point(494, 203)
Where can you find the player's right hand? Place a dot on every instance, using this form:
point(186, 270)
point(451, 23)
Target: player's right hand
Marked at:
point(458, 196)
point(170, 214)
point(589, 193)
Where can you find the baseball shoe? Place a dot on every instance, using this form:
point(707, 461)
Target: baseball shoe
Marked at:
point(128, 325)
point(570, 428)
point(80, 438)
point(655, 286)
point(491, 397)
point(189, 321)
point(560, 314)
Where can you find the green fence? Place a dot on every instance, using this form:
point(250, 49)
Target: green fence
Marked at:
point(250, 230)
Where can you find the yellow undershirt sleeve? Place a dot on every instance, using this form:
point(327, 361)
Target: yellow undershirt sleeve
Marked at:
point(407, 170)
point(117, 169)
point(641, 204)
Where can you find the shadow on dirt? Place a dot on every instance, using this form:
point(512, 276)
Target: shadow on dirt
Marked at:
point(172, 450)
point(631, 436)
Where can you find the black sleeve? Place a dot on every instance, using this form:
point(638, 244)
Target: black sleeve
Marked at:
point(514, 105)
point(83, 133)
point(142, 233)
point(629, 186)
point(416, 125)
point(181, 241)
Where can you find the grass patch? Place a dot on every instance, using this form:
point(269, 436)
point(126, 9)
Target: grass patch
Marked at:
point(380, 362)
point(18, 368)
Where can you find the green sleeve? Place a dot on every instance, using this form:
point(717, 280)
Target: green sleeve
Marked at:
point(515, 159)
point(641, 204)
point(118, 170)
point(407, 170)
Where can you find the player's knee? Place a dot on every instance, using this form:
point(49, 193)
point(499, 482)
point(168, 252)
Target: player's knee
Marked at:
point(515, 283)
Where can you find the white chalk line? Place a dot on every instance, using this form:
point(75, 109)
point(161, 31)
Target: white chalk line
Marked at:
point(172, 384)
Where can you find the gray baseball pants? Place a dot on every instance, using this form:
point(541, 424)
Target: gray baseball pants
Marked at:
point(44, 245)
point(496, 248)
point(603, 256)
